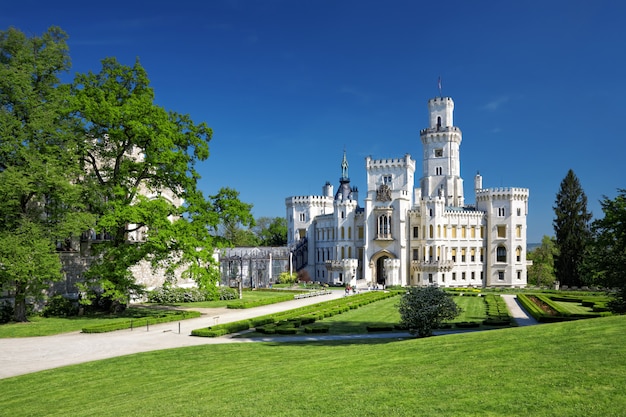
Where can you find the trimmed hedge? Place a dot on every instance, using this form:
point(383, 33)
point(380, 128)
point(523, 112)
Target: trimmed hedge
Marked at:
point(140, 322)
point(312, 312)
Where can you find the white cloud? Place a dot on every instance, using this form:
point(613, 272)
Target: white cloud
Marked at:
point(495, 104)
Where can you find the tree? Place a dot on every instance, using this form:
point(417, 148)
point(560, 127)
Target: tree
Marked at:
point(271, 231)
point(541, 272)
point(608, 254)
point(572, 229)
point(423, 309)
point(139, 162)
point(41, 199)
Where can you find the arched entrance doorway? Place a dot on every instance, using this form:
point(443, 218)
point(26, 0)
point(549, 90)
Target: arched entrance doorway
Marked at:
point(381, 274)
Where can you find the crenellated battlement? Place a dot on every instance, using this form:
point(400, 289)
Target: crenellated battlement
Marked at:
point(309, 199)
point(502, 193)
point(440, 100)
point(390, 163)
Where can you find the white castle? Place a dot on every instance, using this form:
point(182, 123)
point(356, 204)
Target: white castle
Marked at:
point(412, 236)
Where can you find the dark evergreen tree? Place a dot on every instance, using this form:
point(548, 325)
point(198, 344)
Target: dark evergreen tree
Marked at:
point(572, 230)
point(608, 254)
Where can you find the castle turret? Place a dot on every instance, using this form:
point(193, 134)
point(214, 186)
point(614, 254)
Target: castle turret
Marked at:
point(441, 168)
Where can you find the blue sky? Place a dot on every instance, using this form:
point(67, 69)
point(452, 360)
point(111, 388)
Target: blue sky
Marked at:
point(539, 86)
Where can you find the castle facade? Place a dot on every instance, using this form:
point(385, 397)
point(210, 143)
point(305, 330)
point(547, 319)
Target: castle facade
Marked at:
point(412, 235)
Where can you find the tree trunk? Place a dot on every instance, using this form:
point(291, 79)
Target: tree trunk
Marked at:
point(19, 313)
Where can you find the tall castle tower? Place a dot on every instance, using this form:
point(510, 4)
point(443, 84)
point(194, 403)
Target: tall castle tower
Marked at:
point(441, 161)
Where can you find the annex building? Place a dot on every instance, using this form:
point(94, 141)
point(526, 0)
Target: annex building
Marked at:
point(408, 233)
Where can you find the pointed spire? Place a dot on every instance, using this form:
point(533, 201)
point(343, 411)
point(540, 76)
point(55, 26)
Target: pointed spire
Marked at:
point(344, 166)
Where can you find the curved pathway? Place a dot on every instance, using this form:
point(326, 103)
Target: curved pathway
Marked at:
point(20, 356)
point(517, 311)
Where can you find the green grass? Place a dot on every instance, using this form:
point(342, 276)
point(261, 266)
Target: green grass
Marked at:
point(42, 326)
point(562, 369)
point(474, 309)
point(386, 312)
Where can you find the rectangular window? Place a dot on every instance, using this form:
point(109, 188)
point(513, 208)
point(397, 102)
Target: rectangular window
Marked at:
point(519, 212)
point(473, 275)
point(453, 254)
point(454, 276)
point(453, 231)
point(463, 255)
point(463, 232)
point(416, 254)
point(463, 276)
point(416, 232)
point(518, 230)
point(443, 277)
point(519, 275)
point(473, 232)
point(438, 153)
point(387, 179)
point(473, 255)
point(360, 232)
point(500, 275)
point(501, 231)
point(482, 254)
point(501, 212)
point(445, 231)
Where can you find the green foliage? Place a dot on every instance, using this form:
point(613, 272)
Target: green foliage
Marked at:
point(238, 304)
point(541, 272)
point(39, 171)
point(287, 278)
point(608, 254)
point(271, 231)
point(140, 170)
point(572, 229)
point(423, 309)
point(169, 295)
point(59, 306)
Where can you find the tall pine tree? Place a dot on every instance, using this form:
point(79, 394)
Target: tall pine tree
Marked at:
point(572, 229)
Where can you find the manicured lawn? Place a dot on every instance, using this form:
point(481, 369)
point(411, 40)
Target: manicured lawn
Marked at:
point(386, 312)
point(45, 326)
point(42, 326)
point(473, 309)
point(562, 369)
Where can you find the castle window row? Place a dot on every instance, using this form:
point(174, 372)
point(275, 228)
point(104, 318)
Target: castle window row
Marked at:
point(442, 232)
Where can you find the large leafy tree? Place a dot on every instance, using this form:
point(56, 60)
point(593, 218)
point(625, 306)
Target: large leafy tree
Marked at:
point(608, 256)
point(41, 199)
point(572, 230)
point(271, 231)
point(541, 272)
point(140, 164)
point(423, 309)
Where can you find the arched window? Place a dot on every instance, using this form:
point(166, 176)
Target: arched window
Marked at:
point(349, 232)
point(501, 254)
point(431, 231)
point(438, 122)
point(342, 233)
point(518, 254)
point(384, 226)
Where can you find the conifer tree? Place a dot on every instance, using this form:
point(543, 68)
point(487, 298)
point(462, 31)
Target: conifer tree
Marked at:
point(572, 230)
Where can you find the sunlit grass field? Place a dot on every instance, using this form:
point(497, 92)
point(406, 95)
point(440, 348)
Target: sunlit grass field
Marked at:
point(562, 369)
